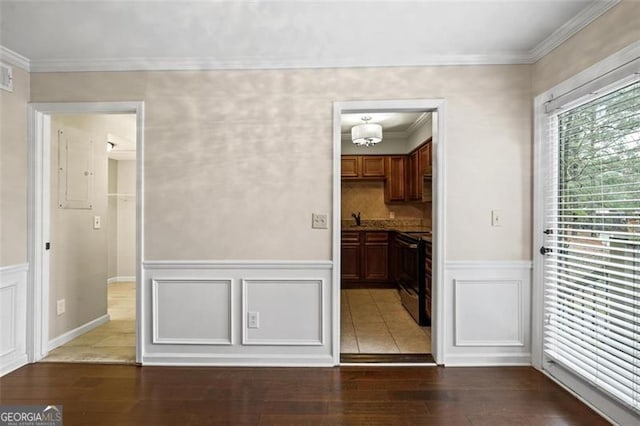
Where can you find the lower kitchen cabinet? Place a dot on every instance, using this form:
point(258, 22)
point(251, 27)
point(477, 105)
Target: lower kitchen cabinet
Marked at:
point(365, 259)
point(351, 256)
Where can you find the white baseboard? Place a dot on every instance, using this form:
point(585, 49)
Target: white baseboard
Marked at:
point(487, 360)
point(14, 365)
point(76, 332)
point(237, 360)
point(122, 279)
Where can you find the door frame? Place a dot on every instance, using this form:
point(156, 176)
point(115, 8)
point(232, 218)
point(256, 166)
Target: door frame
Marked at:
point(438, 208)
point(39, 213)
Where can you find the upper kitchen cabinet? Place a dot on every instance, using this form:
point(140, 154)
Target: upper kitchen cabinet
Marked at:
point(419, 173)
point(395, 188)
point(363, 166)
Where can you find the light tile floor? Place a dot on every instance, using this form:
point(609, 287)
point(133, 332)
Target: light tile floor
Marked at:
point(113, 342)
point(375, 322)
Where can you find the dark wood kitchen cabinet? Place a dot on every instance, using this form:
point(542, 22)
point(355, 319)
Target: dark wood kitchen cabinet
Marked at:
point(395, 188)
point(350, 256)
point(365, 259)
point(414, 178)
point(419, 166)
point(376, 256)
point(362, 166)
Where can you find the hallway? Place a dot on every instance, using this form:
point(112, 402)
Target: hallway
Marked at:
point(113, 342)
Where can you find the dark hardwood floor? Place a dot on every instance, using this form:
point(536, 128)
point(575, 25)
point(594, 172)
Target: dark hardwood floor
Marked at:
point(94, 394)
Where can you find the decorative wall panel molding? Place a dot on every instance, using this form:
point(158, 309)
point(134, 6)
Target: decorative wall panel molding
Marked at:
point(478, 322)
point(487, 313)
point(192, 311)
point(287, 311)
point(13, 317)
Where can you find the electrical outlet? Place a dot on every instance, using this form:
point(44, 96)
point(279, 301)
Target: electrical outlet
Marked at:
point(254, 319)
point(496, 218)
point(61, 307)
point(319, 221)
point(96, 222)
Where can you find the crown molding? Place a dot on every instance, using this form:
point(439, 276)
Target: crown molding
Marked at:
point(14, 58)
point(424, 118)
point(571, 27)
point(256, 63)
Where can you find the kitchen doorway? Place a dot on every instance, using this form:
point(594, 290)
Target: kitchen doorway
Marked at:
point(388, 237)
point(85, 217)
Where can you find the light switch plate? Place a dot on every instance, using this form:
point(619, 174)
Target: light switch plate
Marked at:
point(319, 221)
point(61, 306)
point(496, 218)
point(96, 222)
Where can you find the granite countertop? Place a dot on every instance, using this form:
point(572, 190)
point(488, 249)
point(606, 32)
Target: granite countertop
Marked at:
point(398, 225)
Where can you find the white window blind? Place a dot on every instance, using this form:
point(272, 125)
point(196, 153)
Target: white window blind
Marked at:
point(592, 221)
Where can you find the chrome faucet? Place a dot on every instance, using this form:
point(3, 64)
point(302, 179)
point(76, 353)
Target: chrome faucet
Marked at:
point(357, 218)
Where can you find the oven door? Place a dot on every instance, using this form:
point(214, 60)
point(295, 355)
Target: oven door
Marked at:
point(411, 276)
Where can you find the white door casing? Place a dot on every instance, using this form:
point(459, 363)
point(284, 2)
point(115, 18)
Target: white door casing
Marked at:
point(39, 133)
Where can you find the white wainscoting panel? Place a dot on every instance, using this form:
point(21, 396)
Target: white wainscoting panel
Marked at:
point(13, 317)
point(281, 321)
point(481, 324)
point(192, 311)
point(487, 313)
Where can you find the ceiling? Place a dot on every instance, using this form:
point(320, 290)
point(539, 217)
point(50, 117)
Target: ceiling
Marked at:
point(396, 122)
point(67, 35)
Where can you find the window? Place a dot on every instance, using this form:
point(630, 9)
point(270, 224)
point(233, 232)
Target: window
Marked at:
point(592, 227)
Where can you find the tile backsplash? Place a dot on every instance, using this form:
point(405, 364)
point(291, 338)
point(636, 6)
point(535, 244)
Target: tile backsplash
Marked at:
point(367, 197)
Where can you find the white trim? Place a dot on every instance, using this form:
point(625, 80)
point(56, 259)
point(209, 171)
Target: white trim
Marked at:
point(156, 339)
point(258, 63)
point(14, 365)
point(595, 71)
point(77, 332)
point(12, 288)
point(38, 214)
point(571, 27)
point(237, 264)
point(14, 269)
point(422, 120)
point(458, 341)
point(438, 209)
point(237, 360)
point(489, 360)
point(14, 58)
point(489, 264)
point(281, 342)
point(122, 279)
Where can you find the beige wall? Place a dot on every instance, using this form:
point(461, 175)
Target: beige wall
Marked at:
point(614, 30)
point(126, 245)
point(236, 161)
point(112, 221)
point(13, 170)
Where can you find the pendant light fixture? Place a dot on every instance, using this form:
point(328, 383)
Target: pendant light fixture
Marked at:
point(366, 134)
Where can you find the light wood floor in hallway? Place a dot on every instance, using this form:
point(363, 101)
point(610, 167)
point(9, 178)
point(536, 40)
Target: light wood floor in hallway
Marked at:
point(373, 321)
point(113, 342)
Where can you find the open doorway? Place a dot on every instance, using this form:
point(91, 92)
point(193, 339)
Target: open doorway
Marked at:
point(92, 234)
point(388, 235)
point(86, 242)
